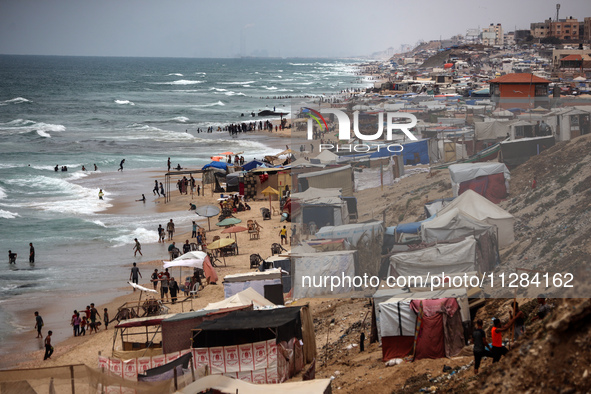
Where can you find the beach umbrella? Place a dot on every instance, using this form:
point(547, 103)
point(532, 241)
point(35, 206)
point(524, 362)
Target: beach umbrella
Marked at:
point(194, 255)
point(220, 243)
point(234, 230)
point(226, 153)
point(270, 191)
point(228, 222)
point(207, 211)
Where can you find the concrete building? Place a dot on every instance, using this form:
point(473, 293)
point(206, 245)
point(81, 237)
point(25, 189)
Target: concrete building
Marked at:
point(510, 38)
point(493, 35)
point(519, 91)
point(540, 29)
point(559, 54)
point(586, 30)
point(565, 29)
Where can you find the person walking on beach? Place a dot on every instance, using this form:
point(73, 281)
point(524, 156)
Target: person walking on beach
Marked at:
point(76, 323)
point(48, 347)
point(137, 248)
point(170, 229)
point(198, 190)
point(186, 247)
point(171, 249)
point(93, 318)
point(164, 278)
point(168, 164)
point(133, 275)
point(155, 190)
point(101, 194)
point(106, 318)
point(154, 278)
point(174, 289)
point(162, 190)
point(194, 232)
point(161, 233)
point(11, 257)
point(283, 234)
point(38, 324)
point(121, 165)
point(95, 168)
point(31, 253)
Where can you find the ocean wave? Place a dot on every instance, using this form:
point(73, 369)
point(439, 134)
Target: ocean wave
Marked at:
point(180, 82)
point(43, 134)
point(180, 119)
point(236, 83)
point(270, 87)
point(231, 93)
point(211, 104)
point(16, 100)
point(2, 193)
point(99, 223)
point(8, 215)
point(25, 126)
point(219, 89)
point(142, 132)
point(176, 74)
point(143, 235)
point(123, 102)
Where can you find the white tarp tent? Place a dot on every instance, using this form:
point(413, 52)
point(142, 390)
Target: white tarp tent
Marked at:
point(492, 130)
point(313, 193)
point(352, 232)
point(371, 178)
point(467, 171)
point(449, 258)
point(480, 208)
point(326, 157)
point(309, 269)
point(453, 224)
point(245, 297)
point(236, 283)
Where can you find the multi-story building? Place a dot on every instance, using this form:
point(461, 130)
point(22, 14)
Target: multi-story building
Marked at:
point(493, 35)
point(565, 29)
point(510, 38)
point(540, 29)
point(587, 30)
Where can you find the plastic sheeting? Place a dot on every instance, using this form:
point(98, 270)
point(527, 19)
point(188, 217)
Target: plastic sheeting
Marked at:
point(480, 208)
point(352, 232)
point(371, 178)
point(453, 224)
point(467, 171)
point(316, 266)
point(449, 258)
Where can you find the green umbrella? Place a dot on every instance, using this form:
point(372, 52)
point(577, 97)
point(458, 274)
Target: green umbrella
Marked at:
point(228, 222)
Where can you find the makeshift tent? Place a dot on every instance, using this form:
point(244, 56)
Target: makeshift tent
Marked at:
point(233, 182)
point(125, 328)
point(309, 269)
point(480, 208)
point(226, 385)
point(492, 130)
point(432, 207)
point(353, 233)
point(302, 163)
point(234, 284)
point(514, 153)
point(370, 178)
point(325, 157)
point(339, 177)
point(176, 330)
point(251, 165)
point(283, 263)
point(246, 297)
point(323, 207)
point(449, 258)
point(416, 152)
point(261, 346)
point(430, 320)
point(490, 180)
point(216, 164)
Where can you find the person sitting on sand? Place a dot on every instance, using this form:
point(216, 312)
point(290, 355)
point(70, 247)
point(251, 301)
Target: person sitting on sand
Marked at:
point(192, 207)
point(178, 167)
point(143, 199)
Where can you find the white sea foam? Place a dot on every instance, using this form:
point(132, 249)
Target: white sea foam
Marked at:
point(176, 74)
point(219, 89)
point(17, 100)
point(43, 134)
point(231, 93)
point(124, 102)
point(180, 119)
point(99, 223)
point(143, 235)
point(7, 214)
point(2, 193)
point(236, 83)
point(211, 104)
point(180, 82)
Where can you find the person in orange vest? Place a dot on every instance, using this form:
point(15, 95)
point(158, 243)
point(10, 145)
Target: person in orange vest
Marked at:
point(498, 350)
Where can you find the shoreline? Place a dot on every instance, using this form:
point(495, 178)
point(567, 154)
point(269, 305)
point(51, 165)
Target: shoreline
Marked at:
point(65, 302)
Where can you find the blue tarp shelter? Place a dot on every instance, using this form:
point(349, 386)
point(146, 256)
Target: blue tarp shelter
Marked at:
point(251, 165)
point(216, 164)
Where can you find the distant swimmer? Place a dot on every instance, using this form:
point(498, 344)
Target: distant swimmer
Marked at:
point(11, 257)
point(121, 165)
point(95, 168)
point(56, 169)
point(64, 168)
point(83, 168)
point(101, 194)
point(143, 199)
point(31, 253)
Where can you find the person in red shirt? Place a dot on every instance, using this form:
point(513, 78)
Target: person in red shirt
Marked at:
point(498, 350)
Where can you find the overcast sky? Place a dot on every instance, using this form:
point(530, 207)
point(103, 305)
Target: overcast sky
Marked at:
point(191, 28)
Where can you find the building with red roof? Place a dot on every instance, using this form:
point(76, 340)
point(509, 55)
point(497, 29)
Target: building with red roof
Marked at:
point(521, 90)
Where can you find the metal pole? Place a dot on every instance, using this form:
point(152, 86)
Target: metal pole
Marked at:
point(72, 379)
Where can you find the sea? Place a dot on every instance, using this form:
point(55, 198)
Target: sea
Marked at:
point(82, 111)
